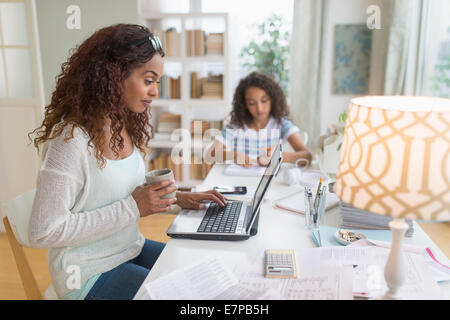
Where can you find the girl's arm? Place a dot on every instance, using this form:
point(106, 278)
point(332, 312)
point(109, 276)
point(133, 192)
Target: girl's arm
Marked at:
point(301, 151)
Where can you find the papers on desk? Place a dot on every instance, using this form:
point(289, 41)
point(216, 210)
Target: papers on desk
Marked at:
point(368, 264)
point(332, 273)
point(236, 170)
point(209, 279)
point(313, 284)
point(440, 269)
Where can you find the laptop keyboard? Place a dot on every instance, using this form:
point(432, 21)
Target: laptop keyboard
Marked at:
point(221, 219)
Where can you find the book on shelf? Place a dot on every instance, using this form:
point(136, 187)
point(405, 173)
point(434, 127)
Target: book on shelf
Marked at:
point(174, 88)
point(168, 122)
point(164, 161)
point(214, 44)
point(170, 41)
point(210, 87)
point(170, 88)
point(173, 42)
point(199, 127)
point(195, 87)
point(199, 43)
point(216, 124)
point(198, 169)
point(354, 218)
point(195, 42)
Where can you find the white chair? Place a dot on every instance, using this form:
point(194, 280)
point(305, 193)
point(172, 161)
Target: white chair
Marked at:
point(17, 216)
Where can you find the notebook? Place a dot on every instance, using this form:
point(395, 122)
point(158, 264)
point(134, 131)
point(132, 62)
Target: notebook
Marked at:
point(296, 202)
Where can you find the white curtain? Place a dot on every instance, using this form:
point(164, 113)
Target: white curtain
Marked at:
point(407, 42)
point(306, 60)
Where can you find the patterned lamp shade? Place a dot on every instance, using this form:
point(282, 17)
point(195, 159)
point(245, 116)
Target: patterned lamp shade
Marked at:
point(395, 157)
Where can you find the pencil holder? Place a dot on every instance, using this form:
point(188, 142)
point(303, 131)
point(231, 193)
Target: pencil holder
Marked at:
point(314, 207)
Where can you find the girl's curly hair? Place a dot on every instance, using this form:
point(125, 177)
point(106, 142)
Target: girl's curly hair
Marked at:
point(279, 108)
point(90, 89)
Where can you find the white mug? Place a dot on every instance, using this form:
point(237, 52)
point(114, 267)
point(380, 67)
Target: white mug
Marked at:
point(160, 175)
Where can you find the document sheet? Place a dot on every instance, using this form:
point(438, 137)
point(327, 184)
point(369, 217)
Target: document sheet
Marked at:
point(210, 279)
point(331, 273)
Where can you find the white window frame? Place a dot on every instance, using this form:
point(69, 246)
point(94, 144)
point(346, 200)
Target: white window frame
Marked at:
point(35, 62)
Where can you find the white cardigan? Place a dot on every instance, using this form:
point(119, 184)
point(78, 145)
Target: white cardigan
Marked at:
point(84, 215)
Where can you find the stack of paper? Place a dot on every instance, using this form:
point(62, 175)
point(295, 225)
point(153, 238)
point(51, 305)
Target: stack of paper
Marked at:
point(354, 218)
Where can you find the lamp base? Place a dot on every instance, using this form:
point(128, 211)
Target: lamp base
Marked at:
point(394, 272)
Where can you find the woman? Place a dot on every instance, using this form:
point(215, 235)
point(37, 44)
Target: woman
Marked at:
point(90, 192)
point(258, 122)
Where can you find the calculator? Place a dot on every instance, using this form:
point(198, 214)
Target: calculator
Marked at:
point(280, 264)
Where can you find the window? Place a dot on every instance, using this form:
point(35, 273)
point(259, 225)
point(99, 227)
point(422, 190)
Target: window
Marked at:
point(16, 78)
point(437, 70)
point(243, 25)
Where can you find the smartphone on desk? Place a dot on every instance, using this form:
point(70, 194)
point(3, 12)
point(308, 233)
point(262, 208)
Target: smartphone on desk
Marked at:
point(231, 190)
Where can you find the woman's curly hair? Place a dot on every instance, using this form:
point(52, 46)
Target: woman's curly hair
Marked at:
point(279, 108)
point(90, 89)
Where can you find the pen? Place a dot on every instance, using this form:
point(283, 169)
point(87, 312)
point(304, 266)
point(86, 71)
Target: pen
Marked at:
point(319, 204)
point(309, 194)
point(316, 200)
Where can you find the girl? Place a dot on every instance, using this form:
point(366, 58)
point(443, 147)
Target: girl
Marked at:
point(258, 122)
point(89, 194)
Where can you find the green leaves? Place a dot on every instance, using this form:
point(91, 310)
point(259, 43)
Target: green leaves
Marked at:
point(269, 53)
point(342, 118)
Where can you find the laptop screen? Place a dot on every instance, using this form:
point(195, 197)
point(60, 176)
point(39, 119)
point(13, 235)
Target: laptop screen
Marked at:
point(271, 170)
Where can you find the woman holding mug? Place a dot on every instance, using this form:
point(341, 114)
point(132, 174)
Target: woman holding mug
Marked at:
point(90, 191)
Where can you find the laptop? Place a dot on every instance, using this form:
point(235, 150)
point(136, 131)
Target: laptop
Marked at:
point(237, 220)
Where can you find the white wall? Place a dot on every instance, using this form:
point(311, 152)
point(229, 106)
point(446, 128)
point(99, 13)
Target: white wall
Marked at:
point(349, 12)
point(56, 39)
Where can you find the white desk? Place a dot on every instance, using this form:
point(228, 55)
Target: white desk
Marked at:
point(277, 229)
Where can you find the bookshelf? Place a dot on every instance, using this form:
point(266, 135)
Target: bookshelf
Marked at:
point(194, 87)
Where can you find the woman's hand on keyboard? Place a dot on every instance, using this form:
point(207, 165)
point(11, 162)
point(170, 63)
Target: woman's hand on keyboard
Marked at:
point(194, 200)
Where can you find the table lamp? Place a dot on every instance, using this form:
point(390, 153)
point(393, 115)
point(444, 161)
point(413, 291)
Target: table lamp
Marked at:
point(395, 161)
